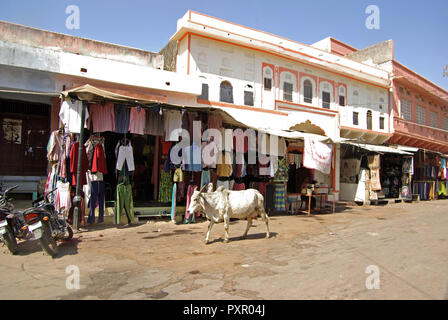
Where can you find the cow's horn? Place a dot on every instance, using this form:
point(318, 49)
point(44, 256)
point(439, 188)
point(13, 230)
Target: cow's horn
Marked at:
point(203, 188)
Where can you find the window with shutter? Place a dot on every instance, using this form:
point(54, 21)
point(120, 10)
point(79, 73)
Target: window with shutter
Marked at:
point(421, 115)
point(326, 99)
point(369, 120)
point(355, 118)
point(307, 91)
point(287, 91)
point(405, 107)
point(382, 123)
point(226, 92)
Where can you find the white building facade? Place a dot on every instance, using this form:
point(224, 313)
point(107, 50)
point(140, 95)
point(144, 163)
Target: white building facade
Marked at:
point(267, 81)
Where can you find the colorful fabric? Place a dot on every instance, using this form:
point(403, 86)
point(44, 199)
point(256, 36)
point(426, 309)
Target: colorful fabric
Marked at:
point(165, 187)
point(280, 197)
point(173, 203)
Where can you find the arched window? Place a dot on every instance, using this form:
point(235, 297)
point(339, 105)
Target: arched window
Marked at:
point(307, 91)
point(249, 95)
point(342, 96)
point(267, 78)
point(369, 120)
point(326, 96)
point(226, 92)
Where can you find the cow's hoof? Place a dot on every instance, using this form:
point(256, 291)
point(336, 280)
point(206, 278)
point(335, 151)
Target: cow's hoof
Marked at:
point(268, 236)
point(207, 242)
point(226, 240)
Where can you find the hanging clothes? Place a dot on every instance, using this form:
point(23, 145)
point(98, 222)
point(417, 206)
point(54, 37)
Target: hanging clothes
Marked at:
point(62, 201)
point(172, 122)
point(55, 146)
point(165, 187)
point(90, 146)
point(74, 164)
point(205, 177)
point(280, 197)
point(99, 160)
point(137, 120)
point(70, 115)
point(122, 117)
point(173, 203)
point(102, 117)
point(124, 201)
point(224, 167)
point(209, 154)
point(96, 200)
point(154, 123)
point(125, 153)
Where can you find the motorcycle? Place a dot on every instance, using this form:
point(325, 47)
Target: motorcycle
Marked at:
point(45, 224)
point(11, 222)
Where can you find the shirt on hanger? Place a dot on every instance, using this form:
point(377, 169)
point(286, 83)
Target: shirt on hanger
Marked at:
point(154, 123)
point(122, 115)
point(70, 115)
point(172, 122)
point(102, 117)
point(137, 120)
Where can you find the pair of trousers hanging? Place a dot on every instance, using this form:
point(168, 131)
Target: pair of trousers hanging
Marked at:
point(96, 200)
point(124, 201)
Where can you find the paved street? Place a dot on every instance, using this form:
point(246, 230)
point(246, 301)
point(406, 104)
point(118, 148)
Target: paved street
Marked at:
point(317, 257)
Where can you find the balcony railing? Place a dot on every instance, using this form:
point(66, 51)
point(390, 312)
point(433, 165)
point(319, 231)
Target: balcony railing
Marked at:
point(413, 128)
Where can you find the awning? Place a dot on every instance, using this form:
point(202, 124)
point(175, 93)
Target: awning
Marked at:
point(94, 94)
point(378, 149)
point(269, 123)
point(39, 93)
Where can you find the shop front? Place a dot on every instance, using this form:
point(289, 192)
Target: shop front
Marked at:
point(145, 158)
point(375, 173)
point(430, 182)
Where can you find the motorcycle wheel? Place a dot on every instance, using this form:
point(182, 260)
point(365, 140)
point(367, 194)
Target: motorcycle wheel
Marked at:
point(10, 240)
point(47, 242)
point(70, 233)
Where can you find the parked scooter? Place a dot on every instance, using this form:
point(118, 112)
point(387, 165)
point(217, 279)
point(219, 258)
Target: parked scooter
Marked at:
point(46, 225)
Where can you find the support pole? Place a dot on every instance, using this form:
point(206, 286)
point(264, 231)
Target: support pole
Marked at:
point(78, 199)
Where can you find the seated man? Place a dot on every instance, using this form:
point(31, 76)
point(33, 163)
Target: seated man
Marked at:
point(304, 197)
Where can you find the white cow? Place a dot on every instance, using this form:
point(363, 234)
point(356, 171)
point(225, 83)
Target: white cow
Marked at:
point(224, 204)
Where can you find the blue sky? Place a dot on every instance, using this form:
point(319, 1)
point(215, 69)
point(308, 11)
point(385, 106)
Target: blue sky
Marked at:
point(419, 28)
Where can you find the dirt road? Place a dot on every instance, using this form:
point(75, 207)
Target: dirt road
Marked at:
point(317, 257)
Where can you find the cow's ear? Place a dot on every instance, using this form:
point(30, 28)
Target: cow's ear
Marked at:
point(195, 188)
